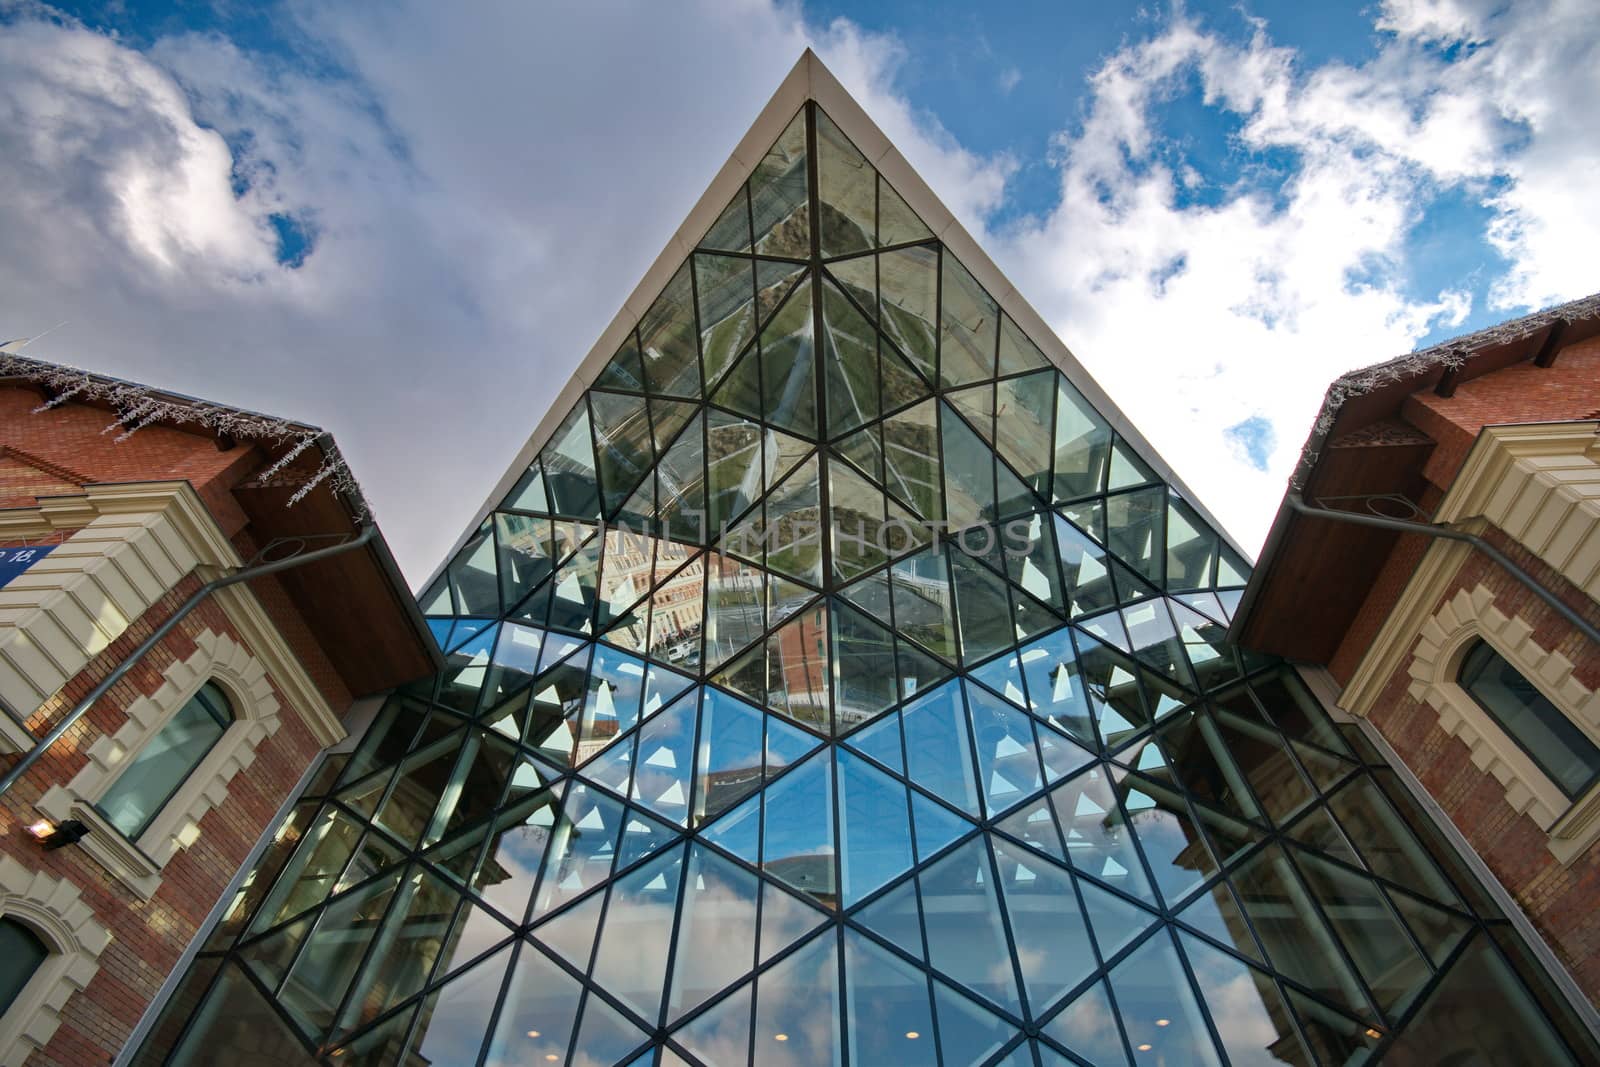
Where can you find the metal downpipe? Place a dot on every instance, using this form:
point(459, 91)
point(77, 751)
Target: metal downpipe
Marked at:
point(367, 532)
point(1298, 504)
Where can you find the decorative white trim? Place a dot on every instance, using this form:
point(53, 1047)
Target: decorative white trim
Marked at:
point(1435, 664)
point(52, 909)
point(137, 864)
point(1540, 484)
point(134, 543)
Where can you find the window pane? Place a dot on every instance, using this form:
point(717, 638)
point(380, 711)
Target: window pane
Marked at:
point(1556, 744)
point(21, 952)
point(162, 766)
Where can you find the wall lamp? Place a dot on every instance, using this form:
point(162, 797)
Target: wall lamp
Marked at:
point(57, 835)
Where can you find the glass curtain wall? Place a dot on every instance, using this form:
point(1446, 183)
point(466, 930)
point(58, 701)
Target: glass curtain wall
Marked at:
point(838, 686)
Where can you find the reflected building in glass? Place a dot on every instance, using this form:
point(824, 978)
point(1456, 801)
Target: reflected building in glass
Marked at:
point(840, 680)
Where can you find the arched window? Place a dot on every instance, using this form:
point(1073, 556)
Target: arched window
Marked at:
point(1527, 716)
point(21, 954)
point(161, 766)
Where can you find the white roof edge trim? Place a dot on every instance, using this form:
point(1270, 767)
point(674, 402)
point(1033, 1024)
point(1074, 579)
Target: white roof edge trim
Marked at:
point(810, 79)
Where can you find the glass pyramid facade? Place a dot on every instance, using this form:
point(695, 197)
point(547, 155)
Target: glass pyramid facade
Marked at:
point(838, 687)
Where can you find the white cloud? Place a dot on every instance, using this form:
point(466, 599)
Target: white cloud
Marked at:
point(1239, 308)
point(485, 185)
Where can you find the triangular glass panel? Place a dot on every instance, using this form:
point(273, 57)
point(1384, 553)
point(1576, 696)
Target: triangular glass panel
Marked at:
point(1217, 914)
point(740, 390)
point(847, 193)
point(1046, 919)
point(728, 764)
point(1008, 759)
point(911, 459)
point(797, 844)
point(897, 223)
point(938, 751)
point(1158, 1006)
point(881, 741)
point(623, 372)
point(605, 1035)
point(874, 828)
point(667, 340)
point(455, 1018)
point(664, 762)
point(886, 1003)
point(1116, 922)
point(797, 1007)
point(569, 468)
point(739, 832)
point(778, 200)
point(1035, 826)
point(631, 958)
point(858, 278)
point(1017, 351)
point(570, 934)
point(850, 359)
point(721, 1034)
point(968, 1032)
point(1257, 1020)
point(788, 366)
point(583, 847)
point(936, 825)
point(965, 933)
point(908, 291)
point(1088, 1026)
point(725, 291)
point(969, 326)
point(785, 919)
point(1082, 446)
point(716, 936)
point(731, 231)
point(863, 667)
point(895, 917)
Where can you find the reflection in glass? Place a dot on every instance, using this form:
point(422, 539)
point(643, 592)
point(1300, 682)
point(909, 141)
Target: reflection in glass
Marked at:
point(965, 937)
point(797, 1009)
point(1158, 1008)
point(537, 1018)
point(886, 1002)
point(716, 941)
point(631, 959)
point(874, 828)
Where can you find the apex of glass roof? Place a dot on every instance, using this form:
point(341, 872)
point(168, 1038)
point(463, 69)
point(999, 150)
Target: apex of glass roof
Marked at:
point(810, 81)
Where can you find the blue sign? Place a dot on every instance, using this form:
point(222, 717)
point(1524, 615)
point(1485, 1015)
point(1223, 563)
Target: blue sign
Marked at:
point(15, 560)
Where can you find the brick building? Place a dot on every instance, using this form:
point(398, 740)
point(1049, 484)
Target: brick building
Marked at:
point(118, 504)
point(1483, 681)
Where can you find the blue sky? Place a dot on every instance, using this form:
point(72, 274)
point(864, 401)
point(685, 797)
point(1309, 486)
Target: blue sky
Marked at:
point(408, 221)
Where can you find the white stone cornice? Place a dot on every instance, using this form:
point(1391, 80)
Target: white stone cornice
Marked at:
point(1539, 484)
point(134, 543)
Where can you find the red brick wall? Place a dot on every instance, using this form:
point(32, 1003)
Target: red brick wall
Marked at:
point(70, 437)
point(147, 936)
point(1520, 393)
point(1561, 901)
